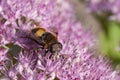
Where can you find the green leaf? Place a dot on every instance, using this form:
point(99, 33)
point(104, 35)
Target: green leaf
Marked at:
point(110, 42)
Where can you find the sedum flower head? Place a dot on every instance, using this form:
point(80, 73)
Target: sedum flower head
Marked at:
point(76, 61)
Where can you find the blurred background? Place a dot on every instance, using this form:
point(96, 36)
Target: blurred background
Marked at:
point(85, 17)
point(102, 18)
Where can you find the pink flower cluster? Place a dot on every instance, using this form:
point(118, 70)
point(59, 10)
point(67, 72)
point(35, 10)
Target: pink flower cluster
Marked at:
point(99, 6)
point(76, 61)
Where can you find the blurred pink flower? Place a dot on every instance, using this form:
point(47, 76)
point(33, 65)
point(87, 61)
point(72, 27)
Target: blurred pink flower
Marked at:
point(74, 62)
point(100, 6)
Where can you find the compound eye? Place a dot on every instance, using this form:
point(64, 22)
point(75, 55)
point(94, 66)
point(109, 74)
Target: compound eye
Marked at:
point(55, 47)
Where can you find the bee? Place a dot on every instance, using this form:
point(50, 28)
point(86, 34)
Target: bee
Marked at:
point(46, 39)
